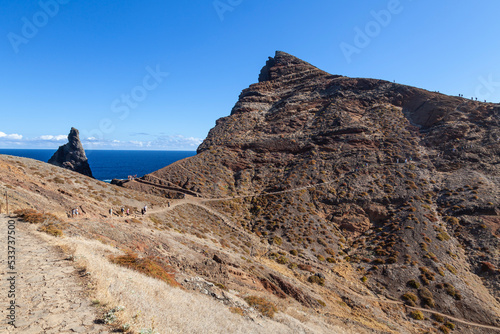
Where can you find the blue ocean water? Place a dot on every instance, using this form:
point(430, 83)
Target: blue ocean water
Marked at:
point(107, 165)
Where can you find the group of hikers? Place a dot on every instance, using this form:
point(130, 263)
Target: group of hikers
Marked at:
point(74, 212)
point(126, 211)
point(406, 160)
point(472, 98)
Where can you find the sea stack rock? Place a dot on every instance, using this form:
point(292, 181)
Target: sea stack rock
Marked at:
point(72, 155)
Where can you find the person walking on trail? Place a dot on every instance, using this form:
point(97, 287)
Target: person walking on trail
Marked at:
point(168, 203)
point(123, 210)
point(145, 208)
point(76, 212)
point(128, 211)
point(111, 212)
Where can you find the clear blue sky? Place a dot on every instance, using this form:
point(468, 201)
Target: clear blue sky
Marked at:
point(74, 64)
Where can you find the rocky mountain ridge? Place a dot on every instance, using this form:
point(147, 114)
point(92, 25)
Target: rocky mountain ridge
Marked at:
point(322, 204)
point(406, 182)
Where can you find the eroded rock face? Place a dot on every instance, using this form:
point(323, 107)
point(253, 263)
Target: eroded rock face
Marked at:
point(72, 155)
point(297, 113)
point(402, 183)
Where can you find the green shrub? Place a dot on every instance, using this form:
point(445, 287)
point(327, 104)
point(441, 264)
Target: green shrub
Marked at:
point(262, 305)
point(316, 279)
point(450, 325)
point(427, 298)
point(451, 268)
point(330, 251)
point(443, 236)
point(320, 257)
point(277, 241)
point(221, 286)
point(282, 259)
point(410, 299)
point(58, 180)
point(417, 315)
point(413, 284)
point(391, 260)
point(438, 317)
point(444, 329)
point(450, 290)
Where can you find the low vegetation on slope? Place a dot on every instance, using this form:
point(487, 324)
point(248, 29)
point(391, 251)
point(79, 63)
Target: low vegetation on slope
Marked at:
point(149, 266)
point(323, 202)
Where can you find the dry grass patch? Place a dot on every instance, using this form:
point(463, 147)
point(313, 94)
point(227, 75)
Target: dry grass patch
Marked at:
point(264, 306)
point(34, 217)
point(51, 224)
point(149, 266)
point(417, 315)
point(51, 229)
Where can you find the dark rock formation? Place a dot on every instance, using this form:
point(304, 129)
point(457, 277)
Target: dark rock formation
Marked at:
point(72, 155)
point(294, 292)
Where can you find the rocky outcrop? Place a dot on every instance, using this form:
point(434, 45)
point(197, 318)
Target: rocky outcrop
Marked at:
point(297, 113)
point(72, 155)
point(398, 182)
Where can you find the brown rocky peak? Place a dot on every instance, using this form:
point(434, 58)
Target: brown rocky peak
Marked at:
point(284, 64)
point(398, 183)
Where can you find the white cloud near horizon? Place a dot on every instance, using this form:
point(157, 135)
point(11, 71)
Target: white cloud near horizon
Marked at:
point(171, 142)
point(159, 142)
point(56, 138)
point(13, 136)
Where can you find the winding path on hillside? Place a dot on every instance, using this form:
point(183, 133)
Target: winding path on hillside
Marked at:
point(49, 296)
point(200, 203)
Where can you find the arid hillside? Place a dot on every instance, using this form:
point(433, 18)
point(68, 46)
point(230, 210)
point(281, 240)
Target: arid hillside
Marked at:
point(399, 183)
point(207, 274)
point(322, 204)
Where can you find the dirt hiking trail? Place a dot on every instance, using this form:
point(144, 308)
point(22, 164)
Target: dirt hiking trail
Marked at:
point(49, 295)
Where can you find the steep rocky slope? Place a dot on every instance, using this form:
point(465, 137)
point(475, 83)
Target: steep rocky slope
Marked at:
point(223, 269)
point(399, 183)
point(331, 201)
